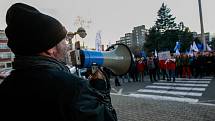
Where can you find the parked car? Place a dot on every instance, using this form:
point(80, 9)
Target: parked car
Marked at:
point(5, 72)
point(81, 72)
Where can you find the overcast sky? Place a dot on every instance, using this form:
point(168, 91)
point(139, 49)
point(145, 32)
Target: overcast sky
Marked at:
point(114, 18)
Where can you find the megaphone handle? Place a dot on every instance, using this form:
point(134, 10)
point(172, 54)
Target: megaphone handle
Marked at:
point(107, 79)
point(94, 68)
point(100, 75)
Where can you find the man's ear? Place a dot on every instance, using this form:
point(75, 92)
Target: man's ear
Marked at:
point(50, 53)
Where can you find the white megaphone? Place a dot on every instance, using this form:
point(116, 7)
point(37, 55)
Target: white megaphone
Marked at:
point(117, 58)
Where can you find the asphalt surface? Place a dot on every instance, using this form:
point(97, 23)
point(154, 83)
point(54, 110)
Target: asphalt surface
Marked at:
point(145, 108)
point(138, 109)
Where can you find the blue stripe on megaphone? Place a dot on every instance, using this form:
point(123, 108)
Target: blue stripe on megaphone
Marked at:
point(91, 57)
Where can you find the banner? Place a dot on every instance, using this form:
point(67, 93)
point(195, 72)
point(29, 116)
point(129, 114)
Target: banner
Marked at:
point(164, 55)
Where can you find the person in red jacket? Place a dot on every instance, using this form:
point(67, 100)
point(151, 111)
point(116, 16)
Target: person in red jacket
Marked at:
point(140, 69)
point(170, 66)
point(163, 68)
point(186, 66)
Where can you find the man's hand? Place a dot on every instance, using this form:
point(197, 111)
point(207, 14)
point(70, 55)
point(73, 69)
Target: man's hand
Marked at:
point(97, 75)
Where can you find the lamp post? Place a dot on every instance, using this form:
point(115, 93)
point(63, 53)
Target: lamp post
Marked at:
point(81, 32)
point(82, 23)
point(202, 27)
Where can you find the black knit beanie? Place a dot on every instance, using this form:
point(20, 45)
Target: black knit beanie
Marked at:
point(30, 32)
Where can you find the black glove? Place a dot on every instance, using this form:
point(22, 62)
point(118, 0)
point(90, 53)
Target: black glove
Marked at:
point(100, 81)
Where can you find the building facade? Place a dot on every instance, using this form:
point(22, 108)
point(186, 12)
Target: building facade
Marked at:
point(127, 39)
point(139, 35)
point(6, 56)
point(208, 36)
point(135, 39)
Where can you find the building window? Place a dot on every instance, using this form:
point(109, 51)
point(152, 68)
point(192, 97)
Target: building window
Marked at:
point(3, 36)
point(9, 65)
point(6, 55)
point(4, 46)
point(2, 65)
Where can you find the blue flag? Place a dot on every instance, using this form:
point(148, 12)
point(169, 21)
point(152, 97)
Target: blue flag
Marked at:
point(177, 46)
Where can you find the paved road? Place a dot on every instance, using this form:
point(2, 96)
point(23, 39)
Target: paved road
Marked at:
point(141, 109)
point(182, 90)
point(183, 100)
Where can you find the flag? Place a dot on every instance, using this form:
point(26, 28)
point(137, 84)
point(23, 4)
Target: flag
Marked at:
point(194, 47)
point(191, 50)
point(177, 52)
point(200, 46)
point(156, 54)
point(143, 54)
point(98, 41)
point(191, 47)
point(208, 48)
point(177, 46)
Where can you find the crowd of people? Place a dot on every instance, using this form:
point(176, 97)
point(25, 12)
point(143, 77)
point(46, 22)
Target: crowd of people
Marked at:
point(197, 65)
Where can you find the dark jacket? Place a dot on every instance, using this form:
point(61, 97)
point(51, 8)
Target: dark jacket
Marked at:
point(42, 89)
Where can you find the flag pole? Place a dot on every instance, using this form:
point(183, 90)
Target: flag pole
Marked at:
point(202, 26)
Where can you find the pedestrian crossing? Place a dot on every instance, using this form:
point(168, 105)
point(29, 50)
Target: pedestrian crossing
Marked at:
point(184, 93)
point(182, 84)
point(182, 90)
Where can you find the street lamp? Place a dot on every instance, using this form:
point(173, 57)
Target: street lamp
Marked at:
point(81, 32)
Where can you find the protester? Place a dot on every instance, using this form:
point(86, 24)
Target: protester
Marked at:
point(170, 66)
point(151, 68)
point(185, 66)
point(199, 65)
point(157, 67)
point(178, 66)
point(133, 71)
point(117, 83)
point(140, 69)
point(41, 88)
point(163, 68)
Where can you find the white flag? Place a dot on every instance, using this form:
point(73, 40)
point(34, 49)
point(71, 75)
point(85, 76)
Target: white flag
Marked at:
point(156, 54)
point(208, 48)
point(191, 50)
point(191, 47)
point(177, 52)
point(195, 48)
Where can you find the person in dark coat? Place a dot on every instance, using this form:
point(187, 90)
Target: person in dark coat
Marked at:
point(116, 81)
point(41, 87)
point(151, 68)
point(133, 71)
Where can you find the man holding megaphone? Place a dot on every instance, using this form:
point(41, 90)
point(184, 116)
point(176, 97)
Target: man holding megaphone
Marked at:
point(40, 87)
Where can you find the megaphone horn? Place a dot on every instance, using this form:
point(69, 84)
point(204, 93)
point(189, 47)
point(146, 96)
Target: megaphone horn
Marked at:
point(117, 58)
